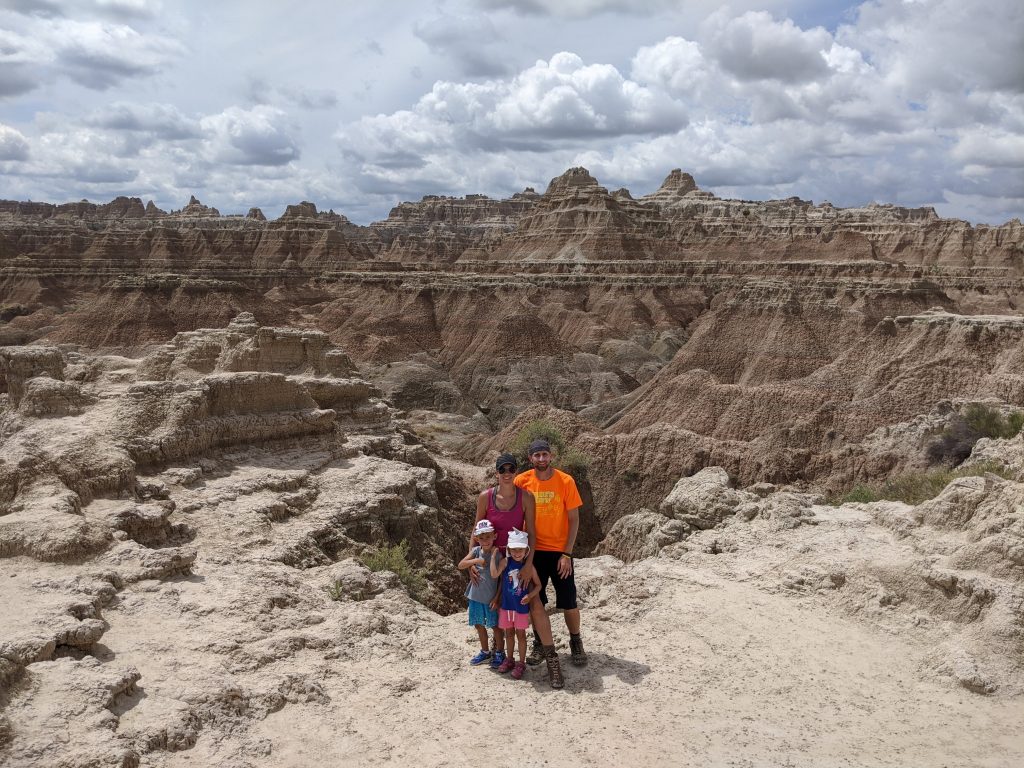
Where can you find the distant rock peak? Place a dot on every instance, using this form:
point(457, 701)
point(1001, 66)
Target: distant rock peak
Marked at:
point(572, 178)
point(678, 182)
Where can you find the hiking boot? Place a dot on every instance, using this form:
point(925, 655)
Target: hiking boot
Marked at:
point(480, 658)
point(536, 655)
point(578, 655)
point(498, 660)
point(518, 670)
point(505, 666)
point(554, 669)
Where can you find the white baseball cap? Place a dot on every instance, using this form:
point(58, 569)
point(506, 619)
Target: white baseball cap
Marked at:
point(483, 526)
point(518, 539)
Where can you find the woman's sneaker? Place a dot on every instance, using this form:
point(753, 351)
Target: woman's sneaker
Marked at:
point(498, 660)
point(480, 658)
point(518, 670)
point(506, 665)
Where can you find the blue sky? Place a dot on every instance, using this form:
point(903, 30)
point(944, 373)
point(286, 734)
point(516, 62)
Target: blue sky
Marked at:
point(357, 106)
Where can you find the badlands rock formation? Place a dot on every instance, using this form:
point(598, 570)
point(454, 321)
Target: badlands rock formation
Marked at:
point(208, 423)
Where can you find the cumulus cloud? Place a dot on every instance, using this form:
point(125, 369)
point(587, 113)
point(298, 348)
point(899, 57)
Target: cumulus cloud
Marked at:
point(95, 54)
point(755, 46)
point(13, 145)
point(469, 41)
point(262, 135)
point(551, 103)
point(163, 121)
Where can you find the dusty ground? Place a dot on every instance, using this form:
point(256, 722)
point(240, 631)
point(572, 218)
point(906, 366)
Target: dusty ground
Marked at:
point(704, 671)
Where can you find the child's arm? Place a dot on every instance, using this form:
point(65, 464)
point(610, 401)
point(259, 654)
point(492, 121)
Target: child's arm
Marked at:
point(469, 561)
point(536, 586)
point(497, 564)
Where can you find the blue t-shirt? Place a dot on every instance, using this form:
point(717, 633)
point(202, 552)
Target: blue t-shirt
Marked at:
point(485, 589)
point(513, 588)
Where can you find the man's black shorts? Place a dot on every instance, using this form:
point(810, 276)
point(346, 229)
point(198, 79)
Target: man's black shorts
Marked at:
point(546, 564)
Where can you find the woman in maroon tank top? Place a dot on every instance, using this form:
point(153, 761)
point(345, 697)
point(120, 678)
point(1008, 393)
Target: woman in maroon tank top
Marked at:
point(506, 506)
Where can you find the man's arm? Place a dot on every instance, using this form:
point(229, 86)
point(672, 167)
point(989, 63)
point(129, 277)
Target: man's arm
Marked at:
point(530, 521)
point(565, 561)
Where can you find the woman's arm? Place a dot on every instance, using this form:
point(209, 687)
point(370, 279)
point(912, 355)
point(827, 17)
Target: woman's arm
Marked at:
point(481, 513)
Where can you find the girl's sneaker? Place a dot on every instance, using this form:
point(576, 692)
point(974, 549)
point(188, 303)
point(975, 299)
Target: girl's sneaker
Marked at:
point(498, 660)
point(518, 670)
point(506, 665)
point(480, 658)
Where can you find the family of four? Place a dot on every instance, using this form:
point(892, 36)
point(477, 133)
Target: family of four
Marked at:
point(522, 539)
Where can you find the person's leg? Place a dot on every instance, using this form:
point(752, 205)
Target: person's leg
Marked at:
point(572, 621)
point(499, 638)
point(481, 630)
point(565, 598)
point(521, 634)
point(510, 644)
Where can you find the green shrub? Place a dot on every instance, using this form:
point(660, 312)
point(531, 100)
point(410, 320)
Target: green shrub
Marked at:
point(395, 558)
point(566, 458)
point(957, 441)
point(916, 487)
point(335, 591)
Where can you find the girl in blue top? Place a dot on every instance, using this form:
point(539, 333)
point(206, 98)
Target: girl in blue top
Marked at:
point(514, 595)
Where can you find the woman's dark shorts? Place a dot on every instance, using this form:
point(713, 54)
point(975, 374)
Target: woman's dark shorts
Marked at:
point(546, 564)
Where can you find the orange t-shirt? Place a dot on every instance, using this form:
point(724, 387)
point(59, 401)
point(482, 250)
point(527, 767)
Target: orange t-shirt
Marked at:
point(554, 498)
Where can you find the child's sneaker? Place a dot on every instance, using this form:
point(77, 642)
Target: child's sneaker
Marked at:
point(498, 660)
point(480, 658)
point(506, 665)
point(518, 670)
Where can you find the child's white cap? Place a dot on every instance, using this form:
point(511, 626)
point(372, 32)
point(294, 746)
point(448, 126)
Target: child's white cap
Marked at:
point(483, 526)
point(518, 539)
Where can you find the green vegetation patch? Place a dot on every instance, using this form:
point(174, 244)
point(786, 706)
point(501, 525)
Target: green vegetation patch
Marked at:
point(395, 558)
point(915, 487)
point(567, 458)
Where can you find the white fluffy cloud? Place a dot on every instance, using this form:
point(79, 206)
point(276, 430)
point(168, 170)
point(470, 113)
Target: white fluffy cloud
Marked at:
point(262, 135)
point(756, 47)
point(13, 145)
point(97, 54)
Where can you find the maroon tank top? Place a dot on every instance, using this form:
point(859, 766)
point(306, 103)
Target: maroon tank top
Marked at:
point(504, 520)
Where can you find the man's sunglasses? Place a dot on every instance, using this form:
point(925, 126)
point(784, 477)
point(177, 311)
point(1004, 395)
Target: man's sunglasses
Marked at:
point(507, 469)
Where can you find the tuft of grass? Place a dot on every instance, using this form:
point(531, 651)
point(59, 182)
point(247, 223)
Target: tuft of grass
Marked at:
point(395, 558)
point(335, 591)
point(566, 458)
point(916, 487)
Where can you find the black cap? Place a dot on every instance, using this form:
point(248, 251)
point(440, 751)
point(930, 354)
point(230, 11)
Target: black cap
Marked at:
point(540, 444)
point(506, 458)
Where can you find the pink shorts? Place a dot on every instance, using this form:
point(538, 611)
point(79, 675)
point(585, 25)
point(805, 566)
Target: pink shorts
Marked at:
point(512, 619)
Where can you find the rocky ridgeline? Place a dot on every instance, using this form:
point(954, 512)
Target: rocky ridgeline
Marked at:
point(575, 220)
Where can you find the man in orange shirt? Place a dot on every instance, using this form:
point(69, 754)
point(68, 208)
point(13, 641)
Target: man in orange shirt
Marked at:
point(557, 522)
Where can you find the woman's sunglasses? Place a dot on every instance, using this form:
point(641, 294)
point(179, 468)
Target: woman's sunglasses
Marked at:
point(508, 469)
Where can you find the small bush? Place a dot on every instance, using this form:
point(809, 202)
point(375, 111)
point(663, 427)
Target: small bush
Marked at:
point(957, 441)
point(566, 458)
point(916, 487)
point(395, 558)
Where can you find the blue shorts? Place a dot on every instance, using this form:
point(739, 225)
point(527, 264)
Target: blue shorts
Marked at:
point(480, 614)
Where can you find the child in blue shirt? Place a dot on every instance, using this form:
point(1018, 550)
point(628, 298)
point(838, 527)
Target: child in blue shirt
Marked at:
point(483, 595)
point(514, 597)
